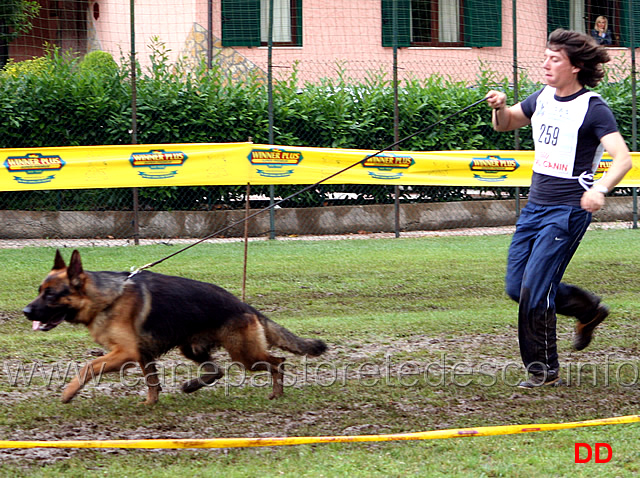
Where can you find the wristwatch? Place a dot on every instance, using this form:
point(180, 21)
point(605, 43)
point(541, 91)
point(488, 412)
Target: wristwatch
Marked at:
point(601, 188)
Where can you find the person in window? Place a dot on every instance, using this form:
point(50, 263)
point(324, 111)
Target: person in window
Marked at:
point(601, 31)
point(571, 127)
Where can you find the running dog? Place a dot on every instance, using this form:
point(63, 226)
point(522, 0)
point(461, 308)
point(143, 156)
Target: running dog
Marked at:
point(142, 316)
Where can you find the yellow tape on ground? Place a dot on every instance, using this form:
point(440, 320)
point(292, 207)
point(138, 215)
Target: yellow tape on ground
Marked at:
point(281, 441)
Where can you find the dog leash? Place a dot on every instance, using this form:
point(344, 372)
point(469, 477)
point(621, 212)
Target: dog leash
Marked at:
point(305, 189)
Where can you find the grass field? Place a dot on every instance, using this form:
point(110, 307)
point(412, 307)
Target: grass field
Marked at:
point(421, 337)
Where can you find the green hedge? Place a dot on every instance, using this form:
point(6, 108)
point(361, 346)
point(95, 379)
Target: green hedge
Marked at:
point(61, 100)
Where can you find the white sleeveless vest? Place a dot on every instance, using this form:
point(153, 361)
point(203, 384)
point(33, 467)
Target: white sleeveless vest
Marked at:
point(555, 126)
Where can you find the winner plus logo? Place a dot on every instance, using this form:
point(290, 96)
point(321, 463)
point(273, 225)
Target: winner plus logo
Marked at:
point(388, 166)
point(274, 163)
point(158, 163)
point(492, 168)
point(603, 167)
point(34, 168)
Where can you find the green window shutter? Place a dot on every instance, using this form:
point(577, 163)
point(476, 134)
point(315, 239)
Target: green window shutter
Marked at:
point(241, 22)
point(630, 14)
point(404, 22)
point(297, 40)
point(482, 23)
point(558, 12)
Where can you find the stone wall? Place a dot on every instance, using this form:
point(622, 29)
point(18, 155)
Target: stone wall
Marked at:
point(289, 221)
point(229, 60)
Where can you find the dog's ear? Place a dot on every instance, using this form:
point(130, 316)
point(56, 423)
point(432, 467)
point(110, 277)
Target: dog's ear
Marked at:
point(75, 272)
point(58, 262)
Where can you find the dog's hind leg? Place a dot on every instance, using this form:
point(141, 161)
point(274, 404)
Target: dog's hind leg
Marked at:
point(263, 361)
point(150, 373)
point(275, 365)
point(254, 356)
point(211, 372)
point(247, 344)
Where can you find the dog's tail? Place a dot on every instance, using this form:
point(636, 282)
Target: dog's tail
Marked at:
point(279, 336)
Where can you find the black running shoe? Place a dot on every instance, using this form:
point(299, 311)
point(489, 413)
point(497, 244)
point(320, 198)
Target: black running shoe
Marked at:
point(584, 332)
point(550, 380)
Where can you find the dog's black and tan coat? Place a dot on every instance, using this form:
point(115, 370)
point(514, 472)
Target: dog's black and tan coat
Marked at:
point(141, 317)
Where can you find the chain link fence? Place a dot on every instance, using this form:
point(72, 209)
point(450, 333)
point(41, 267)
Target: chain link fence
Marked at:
point(338, 74)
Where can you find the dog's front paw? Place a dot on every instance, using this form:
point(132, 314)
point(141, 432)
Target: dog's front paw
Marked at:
point(66, 397)
point(69, 392)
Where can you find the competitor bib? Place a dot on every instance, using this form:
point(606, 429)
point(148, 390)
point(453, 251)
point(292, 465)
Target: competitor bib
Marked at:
point(555, 126)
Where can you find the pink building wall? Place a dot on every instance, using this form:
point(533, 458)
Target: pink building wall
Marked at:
point(167, 22)
point(330, 34)
point(337, 35)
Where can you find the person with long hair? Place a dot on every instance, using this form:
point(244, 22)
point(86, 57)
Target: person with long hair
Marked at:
point(601, 32)
point(571, 127)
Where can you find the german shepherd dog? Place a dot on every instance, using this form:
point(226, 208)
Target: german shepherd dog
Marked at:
point(142, 316)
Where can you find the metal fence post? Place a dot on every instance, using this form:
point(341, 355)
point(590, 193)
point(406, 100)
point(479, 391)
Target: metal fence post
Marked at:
point(272, 214)
point(396, 114)
point(134, 121)
point(209, 34)
point(516, 133)
point(634, 123)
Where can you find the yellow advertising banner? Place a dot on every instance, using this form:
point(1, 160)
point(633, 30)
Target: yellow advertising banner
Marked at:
point(211, 164)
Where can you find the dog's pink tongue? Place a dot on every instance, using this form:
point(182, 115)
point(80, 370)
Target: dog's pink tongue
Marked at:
point(35, 325)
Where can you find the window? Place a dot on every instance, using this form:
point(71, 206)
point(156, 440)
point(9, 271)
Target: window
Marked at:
point(442, 22)
point(435, 22)
point(282, 25)
point(623, 17)
point(246, 22)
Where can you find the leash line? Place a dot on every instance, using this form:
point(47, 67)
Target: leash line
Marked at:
point(307, 188)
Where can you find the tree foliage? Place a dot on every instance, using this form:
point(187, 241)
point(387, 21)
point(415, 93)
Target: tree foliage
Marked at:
point(16, 17)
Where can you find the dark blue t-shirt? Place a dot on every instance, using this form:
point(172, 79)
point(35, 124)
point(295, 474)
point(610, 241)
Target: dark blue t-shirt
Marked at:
point(598, 122)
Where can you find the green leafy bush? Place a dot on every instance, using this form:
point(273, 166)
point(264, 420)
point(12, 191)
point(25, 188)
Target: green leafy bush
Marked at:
point(37, 66)
point(99, 63)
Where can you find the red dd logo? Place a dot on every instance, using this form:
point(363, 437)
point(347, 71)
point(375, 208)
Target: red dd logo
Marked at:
point(591, 454)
